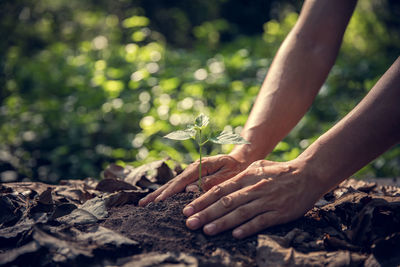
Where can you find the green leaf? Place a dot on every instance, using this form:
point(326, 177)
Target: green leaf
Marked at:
point(201, 121)
point(228, 137)
point(182, 134)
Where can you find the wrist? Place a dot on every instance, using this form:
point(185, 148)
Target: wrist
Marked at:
point(317, 177)
point(324, 174)
point(244, 154)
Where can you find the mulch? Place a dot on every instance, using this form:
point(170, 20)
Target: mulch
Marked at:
point(98, 223)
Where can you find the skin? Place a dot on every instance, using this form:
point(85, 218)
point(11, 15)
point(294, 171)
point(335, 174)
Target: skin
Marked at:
point(249, 194)
point(269, 193)
point(288, 84)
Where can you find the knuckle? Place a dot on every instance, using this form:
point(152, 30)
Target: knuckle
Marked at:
point(253, 165)
point(259, 171)
point(257, 163)
point(286, 168)
point(217, 191)
point(226, 201)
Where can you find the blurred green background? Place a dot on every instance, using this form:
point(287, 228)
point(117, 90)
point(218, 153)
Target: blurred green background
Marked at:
point(87, 83)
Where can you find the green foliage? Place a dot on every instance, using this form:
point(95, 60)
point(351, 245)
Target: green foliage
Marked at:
point(84, 84)
point(196, 132)
point(227, 137)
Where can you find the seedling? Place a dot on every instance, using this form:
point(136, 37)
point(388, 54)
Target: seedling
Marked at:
point(196, 132)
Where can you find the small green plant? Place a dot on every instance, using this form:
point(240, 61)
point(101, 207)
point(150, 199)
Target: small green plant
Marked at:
point(196, 132)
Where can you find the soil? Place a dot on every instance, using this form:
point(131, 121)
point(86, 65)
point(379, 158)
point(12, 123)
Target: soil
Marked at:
point(339, 226)
point(161, 227)
point(92, 223)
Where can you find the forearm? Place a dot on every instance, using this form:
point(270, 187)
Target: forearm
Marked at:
point(368, 130)
point(298, 71)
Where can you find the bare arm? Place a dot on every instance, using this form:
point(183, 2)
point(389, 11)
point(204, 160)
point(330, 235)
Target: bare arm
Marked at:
point(269, 193)
point(297, 73)
point(367, 131)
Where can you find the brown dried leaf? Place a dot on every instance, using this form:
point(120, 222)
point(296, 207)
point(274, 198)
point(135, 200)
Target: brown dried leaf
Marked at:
point(148, 176)
point(386, 250)
point(13, 255)
point(113, 185)
point(74, 195)
point(45, 197)
point(96, 206)
point(169, 259)
point(10, 211)
point(62, 210)
point(221, 257)
point(9, 236)
point(359, 185)
point(335, 243)
point(77, 217)
point(87, 183)
point(155, 172)
point(378, 217)
point(114, 171)
point(124, 197)
point(25, 188)
point(105, 238)
point(61, 249)
point(271, 253)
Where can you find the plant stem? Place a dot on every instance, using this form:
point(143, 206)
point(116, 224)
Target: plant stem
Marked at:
point(200, 152)
point(200, 169)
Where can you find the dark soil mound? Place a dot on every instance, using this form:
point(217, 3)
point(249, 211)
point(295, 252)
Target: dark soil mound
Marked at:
point(161, 227)
point(352, 228)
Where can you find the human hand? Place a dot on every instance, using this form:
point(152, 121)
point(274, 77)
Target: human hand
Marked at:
point(215, 170)
point(265, 194)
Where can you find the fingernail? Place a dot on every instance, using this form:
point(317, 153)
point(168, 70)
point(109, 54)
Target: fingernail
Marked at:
point(238, 233)
point(188, 211)
point(193, 223)
point(210, 228)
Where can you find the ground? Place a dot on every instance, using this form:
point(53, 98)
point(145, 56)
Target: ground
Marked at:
point(97, 223)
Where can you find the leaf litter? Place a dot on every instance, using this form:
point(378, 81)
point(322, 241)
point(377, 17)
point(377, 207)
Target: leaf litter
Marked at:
point(97, 223)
